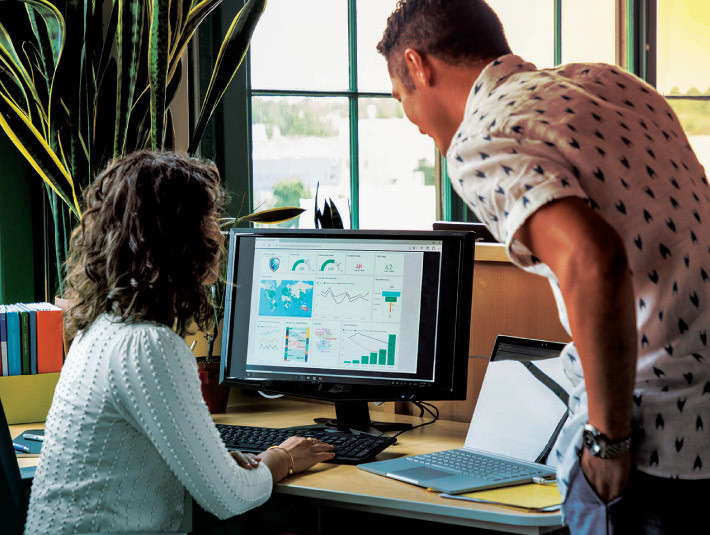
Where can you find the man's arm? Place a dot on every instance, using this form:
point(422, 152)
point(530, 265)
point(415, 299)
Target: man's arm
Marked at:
point(589, 260)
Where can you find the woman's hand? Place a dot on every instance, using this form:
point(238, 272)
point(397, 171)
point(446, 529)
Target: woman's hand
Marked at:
point(307, 451)
point(303, 452)
point(247, 461)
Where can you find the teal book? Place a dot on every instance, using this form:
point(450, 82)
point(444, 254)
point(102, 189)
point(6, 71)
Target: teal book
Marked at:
point(3, 341)
point(24, 339)
point(14, 343)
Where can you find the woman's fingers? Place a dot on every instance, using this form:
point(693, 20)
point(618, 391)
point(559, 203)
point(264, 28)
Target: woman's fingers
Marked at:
point(245, 460)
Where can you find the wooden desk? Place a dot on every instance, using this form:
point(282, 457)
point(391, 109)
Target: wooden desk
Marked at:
point(346, 487)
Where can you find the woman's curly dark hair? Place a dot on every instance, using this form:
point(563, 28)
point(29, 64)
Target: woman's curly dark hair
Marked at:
point(147, 240)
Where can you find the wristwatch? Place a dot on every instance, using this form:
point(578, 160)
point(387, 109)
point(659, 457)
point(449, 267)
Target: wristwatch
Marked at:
point(600, 445)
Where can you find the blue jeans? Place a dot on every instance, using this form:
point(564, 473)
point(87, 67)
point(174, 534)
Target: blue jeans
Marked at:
point(649, 506)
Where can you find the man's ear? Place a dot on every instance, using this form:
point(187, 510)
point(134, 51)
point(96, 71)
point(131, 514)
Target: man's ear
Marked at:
point(419, 67)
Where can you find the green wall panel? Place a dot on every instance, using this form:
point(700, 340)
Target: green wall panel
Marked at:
point(17, 282)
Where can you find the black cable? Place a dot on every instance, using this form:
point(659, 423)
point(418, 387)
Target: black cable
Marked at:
point(423, 406)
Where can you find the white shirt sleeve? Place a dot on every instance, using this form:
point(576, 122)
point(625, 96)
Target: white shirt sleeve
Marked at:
point(154, 383)
point(505, 180)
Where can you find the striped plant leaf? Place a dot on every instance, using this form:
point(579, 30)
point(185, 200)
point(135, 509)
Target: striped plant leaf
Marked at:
point(272, 215)
point(20, 74)
point(170, 138)
point(104, 113)
point(158, 46)
point(128, 33)
point(37, 152)
point(12, 89)
point(54, 23)
point(66, 91)
point(231, 53)
point(195, 17)
point(108, 43)
point(45, 47)
point(9, 56)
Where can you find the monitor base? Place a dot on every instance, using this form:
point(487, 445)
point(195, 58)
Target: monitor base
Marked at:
point(354, 417)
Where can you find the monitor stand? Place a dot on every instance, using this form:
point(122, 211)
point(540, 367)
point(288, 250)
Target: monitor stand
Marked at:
point(354, 417)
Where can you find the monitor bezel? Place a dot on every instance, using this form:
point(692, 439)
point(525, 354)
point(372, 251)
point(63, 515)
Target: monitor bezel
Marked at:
point(452, 341)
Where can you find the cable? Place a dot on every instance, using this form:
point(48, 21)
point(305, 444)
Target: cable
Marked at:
point(423, 406)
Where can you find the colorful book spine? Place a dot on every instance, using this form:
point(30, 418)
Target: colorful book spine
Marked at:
point(32, 313)
point(3, 342)
point(50, 337)
point(24, 338)
point(14, 342)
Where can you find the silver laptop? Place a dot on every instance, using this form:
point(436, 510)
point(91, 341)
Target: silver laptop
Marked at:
point(515, 424)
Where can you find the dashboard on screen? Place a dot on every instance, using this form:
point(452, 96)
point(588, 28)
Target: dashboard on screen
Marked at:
point(348, 314)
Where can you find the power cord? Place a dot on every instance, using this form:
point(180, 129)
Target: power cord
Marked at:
point(423, 406)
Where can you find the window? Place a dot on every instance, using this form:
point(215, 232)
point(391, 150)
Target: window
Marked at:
point(683, 67)
point(322, 116)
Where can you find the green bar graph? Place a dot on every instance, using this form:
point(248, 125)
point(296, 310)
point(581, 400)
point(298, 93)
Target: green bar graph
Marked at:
point(381, 357)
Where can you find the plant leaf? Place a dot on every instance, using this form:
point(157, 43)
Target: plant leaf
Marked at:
point(158, 45)
point(55, 27)
point(37, 152)
point(273, 215)
point(231, 53)
point(104, 113)
point(194, 18)
point(128, 33)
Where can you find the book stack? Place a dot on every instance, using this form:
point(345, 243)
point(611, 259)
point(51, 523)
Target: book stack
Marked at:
point(30, 339)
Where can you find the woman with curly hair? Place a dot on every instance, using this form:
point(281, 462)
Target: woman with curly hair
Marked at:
point(128, 431)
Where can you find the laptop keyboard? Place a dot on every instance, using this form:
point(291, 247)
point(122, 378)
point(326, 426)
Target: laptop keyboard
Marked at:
point(473, 464)
point(349, 449)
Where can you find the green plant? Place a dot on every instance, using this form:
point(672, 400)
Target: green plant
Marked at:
point(86, 81)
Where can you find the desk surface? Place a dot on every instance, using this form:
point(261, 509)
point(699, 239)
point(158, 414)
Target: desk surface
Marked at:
point(346, 486)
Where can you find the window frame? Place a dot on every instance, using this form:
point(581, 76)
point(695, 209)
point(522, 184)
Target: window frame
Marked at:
point(635, 34)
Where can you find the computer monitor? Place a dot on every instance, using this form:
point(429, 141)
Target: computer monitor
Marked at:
point(348, 316)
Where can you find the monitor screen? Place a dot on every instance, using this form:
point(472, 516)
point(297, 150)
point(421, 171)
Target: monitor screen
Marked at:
point(348, 315)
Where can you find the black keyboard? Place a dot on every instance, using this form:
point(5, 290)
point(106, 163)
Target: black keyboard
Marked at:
point(349, 449)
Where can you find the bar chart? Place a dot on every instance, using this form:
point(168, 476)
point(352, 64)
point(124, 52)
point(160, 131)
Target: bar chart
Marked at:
point(372, 349)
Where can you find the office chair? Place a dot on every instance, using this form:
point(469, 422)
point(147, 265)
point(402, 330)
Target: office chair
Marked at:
point(13, 492)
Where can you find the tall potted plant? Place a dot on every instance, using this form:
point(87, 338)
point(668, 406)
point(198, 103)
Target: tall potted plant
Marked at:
point(86, 81)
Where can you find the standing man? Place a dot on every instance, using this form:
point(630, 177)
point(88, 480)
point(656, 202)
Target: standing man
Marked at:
point(586, 175)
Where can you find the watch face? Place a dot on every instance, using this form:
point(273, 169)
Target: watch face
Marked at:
point(591, 442)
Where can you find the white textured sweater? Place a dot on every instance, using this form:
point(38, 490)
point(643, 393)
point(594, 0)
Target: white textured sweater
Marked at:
point(127, 433)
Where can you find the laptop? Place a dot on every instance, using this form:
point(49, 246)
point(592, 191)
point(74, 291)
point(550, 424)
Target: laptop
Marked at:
point(494, 455)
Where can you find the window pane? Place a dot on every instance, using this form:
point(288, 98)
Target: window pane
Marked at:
point(372, 67)
point(683, 60)
point(530, 28)
point(298, 142)
point(588, 31)
point(396, 169)
point(301, 45)
point(694, 115)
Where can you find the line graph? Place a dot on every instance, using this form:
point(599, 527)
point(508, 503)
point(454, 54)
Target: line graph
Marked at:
point(342, 296)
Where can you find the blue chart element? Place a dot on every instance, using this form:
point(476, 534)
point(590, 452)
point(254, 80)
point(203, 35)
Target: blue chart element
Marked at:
point(293, 299)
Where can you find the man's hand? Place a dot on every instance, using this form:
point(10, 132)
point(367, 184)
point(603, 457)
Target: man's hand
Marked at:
point(607, 476)
point(588, 257)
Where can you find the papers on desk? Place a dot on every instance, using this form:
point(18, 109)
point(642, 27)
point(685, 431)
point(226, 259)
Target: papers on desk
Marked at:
point(515, 413)
point(532, 497)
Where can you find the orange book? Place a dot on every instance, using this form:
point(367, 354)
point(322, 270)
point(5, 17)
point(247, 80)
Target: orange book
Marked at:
point(50, 348)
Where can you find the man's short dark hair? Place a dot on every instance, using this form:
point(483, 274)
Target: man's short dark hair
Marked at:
point(454, 31)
